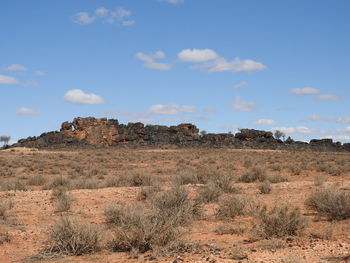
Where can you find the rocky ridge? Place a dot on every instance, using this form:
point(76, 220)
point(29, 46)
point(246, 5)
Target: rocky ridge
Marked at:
point(99, 132)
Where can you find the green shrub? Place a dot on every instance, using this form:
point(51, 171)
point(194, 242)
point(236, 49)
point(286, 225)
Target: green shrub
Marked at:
point(330, 203)
point(71, 237)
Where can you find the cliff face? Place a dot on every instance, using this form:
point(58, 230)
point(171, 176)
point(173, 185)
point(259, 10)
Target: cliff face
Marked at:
point(108, 132)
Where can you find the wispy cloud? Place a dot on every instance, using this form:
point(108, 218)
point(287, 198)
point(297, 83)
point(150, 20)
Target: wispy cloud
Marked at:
point(240, 85)
point(31, 83)
point(305, 91)
point(78, 96)
point(27, 111)
point(171, 109)
point(150, 60)
point(83, 18)
point(15, 67)
point(118, 16)
point(264, 122)
point(40, 73)
point(8, 80)
point(328, 97)
point(210, 61)
point(241, 105)
point(316, 117)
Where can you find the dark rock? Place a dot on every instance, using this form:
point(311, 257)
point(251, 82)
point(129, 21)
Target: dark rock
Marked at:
point(94, 132)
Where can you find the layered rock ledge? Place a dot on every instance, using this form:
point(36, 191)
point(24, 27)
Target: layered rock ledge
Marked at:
point(102, 132)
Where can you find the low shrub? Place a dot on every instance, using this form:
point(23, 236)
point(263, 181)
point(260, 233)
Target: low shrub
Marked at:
point(137, 229)
point(331, 203)
point(70, 237)
point(37, 180)
point(209, 193)
point(231, 206)
point(280, 221)
point(252, 175)
point(277, 178)
point(13, 185)
point(265, 187)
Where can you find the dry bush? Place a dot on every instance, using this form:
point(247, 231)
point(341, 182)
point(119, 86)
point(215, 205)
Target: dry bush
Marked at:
point(174, 203)
point(278, 222)
point(63, 199)
point(186, 177)
point(331, 203)
point(37, 180)
point(265, 187)
point(58, 181)
point(277, 178)
point(226, 229)
point(147, 192)
point(223, 182)
point(90, 183)
point(135, 228)
point(13, 185)
point(252, 175)
point(232, 206)
point(209, 193)
point(70, 237)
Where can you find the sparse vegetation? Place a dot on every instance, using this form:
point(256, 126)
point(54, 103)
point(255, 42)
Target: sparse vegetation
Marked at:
point(70, 237)
point(329, 202)
point(280, 221)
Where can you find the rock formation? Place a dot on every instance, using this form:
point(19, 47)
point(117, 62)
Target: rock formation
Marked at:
point(87, 132)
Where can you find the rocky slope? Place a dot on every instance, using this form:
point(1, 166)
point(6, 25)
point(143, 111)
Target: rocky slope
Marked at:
point(108, 132)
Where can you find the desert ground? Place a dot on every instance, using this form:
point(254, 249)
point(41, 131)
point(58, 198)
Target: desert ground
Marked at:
point(174, 205)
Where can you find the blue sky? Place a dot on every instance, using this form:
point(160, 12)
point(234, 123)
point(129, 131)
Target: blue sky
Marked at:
point(224, 64)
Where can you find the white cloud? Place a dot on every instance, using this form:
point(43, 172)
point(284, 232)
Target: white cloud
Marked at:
point(79, 97)
point(236, 65)
point(197, 55)
point(328, 97)
point(265, 122)
point(295, 130)
point(171, 109)
point(83, 18)
point(40, 73)
point(208, 111)
point(121, 13)
point(27, 111)
point(101, 12)
point(31, 83)
point(316, 117)
point(150, 60)
point(342, 138)
point(210, 61)
point(119, 16)
point(305, 91)
point(16, 67)
point(173, 1)
point(241, 105)
point(240, 85)
point(8, 80)
point(128, 22)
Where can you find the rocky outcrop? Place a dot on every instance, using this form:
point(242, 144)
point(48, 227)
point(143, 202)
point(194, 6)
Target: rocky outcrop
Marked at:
point(87, 132)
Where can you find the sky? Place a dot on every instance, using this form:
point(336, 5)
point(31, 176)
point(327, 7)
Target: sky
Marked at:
point(220, 64)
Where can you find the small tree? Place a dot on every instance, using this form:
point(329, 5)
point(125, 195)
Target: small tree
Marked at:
point(5, 139)
point(203, 133)
point(279, 134)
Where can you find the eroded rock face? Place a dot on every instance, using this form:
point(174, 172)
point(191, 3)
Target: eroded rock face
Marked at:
point(108, 132)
